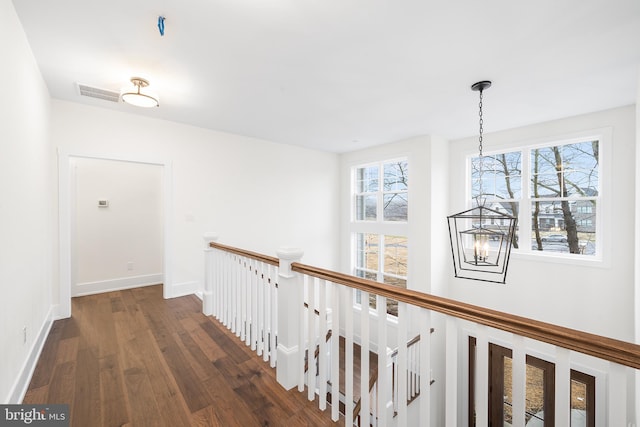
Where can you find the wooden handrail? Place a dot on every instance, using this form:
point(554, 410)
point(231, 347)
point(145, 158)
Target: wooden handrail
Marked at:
point(622, 352)
point(254, 255)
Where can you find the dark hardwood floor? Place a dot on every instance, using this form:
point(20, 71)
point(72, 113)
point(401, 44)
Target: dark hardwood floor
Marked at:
point(131, 358)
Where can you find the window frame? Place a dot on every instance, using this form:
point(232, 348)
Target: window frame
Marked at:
point(602, 209)
point(379, 226)
point(495, 400)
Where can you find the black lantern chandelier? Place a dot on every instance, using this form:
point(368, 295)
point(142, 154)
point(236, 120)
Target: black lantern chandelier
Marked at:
point(481, 237)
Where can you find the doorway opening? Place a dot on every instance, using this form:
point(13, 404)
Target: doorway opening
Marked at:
point(103, 206)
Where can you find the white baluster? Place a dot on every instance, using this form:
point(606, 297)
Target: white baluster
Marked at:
point(364, 359)
point(311, 339)
point(244, 296)
point(424, 364)
point(384, 379)
point(218, 272)
point(253, 319)
point(482, 372)
point(226, 287)
point(348, 357)
point(302, 336)
point(322, 336)
point(519, 374)
point(261, 310)
point(563, 390)
point(617, 395)
point(273, 291)
point(238, 291)
point(335, 351)
point(403, 320)
point(451, 373)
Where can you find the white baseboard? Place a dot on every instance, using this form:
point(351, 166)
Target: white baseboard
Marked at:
point(21, 385)
point(57, 314)
point(90, 288)
point(184, 288)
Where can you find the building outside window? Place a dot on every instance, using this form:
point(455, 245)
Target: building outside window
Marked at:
point(379, 225)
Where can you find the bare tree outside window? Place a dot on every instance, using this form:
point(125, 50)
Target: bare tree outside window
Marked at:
point(561, 199)
point(564, 185)
point(497, 180)
point(395, 201)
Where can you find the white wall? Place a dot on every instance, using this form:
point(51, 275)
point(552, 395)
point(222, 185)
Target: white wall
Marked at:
point(120, 245)
point(26, 222)
point(427, 235)
point(596, 297)
point(418, 152)
point(256, 194)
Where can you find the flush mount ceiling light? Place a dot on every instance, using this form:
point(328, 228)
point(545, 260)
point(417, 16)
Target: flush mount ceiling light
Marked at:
point(482, 237)
point(136, 97)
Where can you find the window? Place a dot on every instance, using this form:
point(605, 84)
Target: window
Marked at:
point(553, 190)
point(391, 196)
point(583, 400)
point(379, 225)
point(539, 390)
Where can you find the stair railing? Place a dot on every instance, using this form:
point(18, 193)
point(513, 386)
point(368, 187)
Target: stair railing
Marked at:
point(241, 292)
point(413, 372)
point(329, 291)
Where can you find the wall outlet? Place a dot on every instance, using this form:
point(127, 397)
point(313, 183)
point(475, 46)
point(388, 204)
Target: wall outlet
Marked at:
point(130, 266)
point(24, 335)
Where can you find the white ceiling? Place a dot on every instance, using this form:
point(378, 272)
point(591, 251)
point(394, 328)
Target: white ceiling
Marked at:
point(339, 75)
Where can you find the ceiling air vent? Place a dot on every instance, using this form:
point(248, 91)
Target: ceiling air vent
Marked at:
point(94, 92)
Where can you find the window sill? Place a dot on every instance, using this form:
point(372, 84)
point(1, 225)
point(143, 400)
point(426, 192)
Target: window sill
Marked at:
point(578, 260)
point(373, 313)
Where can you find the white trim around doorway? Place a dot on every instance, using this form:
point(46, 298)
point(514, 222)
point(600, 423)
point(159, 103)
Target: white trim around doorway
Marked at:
point(63, 309)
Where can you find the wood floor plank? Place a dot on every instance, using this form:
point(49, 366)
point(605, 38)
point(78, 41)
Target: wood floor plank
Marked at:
point(196, 396)
point(131, 358)
point(230, 410)
point(172, 406)
point(198, 361)
point(190, 323)
point(114, 406)
point(70, 328)
point(105, 328)
point(67, 350)
point(62, 388)
point(142, 403)
point(35, 395)
point(227, 341)
point(237, 374)
point(206, 417)
point(208, 346)
point(117, 305)
point(87, 403)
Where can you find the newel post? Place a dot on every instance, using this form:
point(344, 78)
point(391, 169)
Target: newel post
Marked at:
point(207, 294)
point(289, 306)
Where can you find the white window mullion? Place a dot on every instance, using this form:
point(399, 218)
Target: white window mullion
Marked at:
point(524, 214)
point(381, 252)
